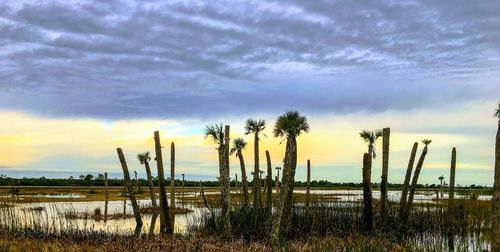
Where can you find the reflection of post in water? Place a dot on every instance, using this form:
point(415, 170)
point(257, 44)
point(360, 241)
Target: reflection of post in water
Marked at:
point(153, 223)
point(106, 197)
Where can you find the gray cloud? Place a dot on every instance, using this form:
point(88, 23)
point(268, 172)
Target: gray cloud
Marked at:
point(122, 59)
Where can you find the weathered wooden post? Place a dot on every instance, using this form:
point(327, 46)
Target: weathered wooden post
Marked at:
point(172, 182)
point(182, 193)
point(367, 193)
point(404, 193)
point(224, 181)
point(308, 184)
point(136, 182)
point(165, 224)
point(495, 200)
point(414, 180)
point(269, 186)
point(106, 196)
point(451, 197)
point(278, 180)
point(126, 177)
point(386, 133)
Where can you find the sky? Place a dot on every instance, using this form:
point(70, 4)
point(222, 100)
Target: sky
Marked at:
point(80, 78)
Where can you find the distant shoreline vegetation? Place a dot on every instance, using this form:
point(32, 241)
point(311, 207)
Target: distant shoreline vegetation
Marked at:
point(91, 180)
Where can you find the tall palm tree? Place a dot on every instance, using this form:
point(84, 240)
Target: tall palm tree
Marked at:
point(289, 125)
point(370, 137)
point(144, 159)
point(255, 127)
point(221, 137)
point(496, 189)
point(238, 145)
point(414, 180)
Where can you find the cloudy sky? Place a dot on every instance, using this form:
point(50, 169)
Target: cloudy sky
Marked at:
point(80, 78)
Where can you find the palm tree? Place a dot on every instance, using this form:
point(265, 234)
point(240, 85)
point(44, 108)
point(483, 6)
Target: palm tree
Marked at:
point(144, 159)
point(221, 138)
point(239, 145)
point(414, 181)
point(441, 178)
point(496, 189)
point(255, 127)
point(289, 125)
point(370, 137)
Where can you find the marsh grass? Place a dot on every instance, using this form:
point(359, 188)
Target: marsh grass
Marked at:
point(429, 225)
point(324, 226)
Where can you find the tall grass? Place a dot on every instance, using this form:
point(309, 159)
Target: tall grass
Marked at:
point(429, 224)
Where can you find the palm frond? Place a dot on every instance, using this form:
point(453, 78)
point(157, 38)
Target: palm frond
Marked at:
point(497, 111)
point(143, 157)
point(215, 131)
point(426, 141)
point(238, 145)
point(290, 124)
point(366, 135)
point(254, 126)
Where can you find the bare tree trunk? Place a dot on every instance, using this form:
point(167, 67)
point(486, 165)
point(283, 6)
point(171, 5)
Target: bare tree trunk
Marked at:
point(153, 223)
point(106, 196)
point(414, 183)
point(284, 205)
point(130, 187)
point(496, 196)
point(367, 193)
point(308, 184)
point(385, 170)
point(269, 187)
point(224, 184)
point(165, 223)
point(257, 203)
point(151, 185)
point(404, 193)
point(172, 182)
point(451, 197)
point(244, 179)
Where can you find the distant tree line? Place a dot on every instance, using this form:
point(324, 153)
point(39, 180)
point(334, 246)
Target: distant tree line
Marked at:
point(92, 180)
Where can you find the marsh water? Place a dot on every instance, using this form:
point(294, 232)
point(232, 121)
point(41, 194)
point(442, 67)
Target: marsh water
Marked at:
point(52, 215)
